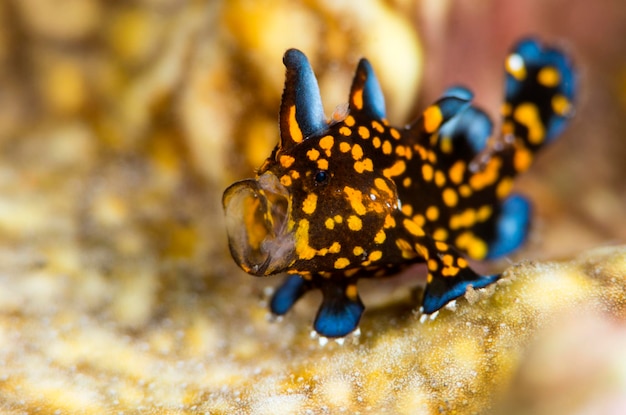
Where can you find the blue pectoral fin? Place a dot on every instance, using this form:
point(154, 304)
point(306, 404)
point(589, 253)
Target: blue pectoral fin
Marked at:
point(288, 293)
point(441, 290)
point(339, 314)
point(512, 226)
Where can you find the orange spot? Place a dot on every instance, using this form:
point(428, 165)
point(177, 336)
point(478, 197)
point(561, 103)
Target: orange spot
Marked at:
point(344, 147)
point(286, 161)
point(450, 198)
point(378, 126)
point(387, 147)
point(397, 169)
point(364, 132)
point(522, 159)
point(310, 203)
point(413, 228)
point(341, 263)
point(357, 99)
point(549, 77)
point(427, 172)
point(349, 121)
point(294, 128)
point(432, 118)
point(313, 154)
point(357, 152)
point(457, 171)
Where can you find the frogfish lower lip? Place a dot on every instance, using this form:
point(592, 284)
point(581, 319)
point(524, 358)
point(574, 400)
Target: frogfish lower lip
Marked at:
point(257, 213)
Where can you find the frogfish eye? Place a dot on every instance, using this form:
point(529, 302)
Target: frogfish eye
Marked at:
point(321, 177)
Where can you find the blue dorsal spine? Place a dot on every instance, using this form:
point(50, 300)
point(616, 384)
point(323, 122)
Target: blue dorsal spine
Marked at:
point(366, 86)
point(301, 93)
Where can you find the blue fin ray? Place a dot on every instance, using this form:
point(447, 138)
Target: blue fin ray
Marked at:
point(511, 226)
point(301, 110)
point(366, 94)
point(339, 314)
point(288, 293)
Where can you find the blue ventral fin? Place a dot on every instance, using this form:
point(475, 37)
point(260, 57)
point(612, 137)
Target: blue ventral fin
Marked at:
point(288, 293)
point(511, 226)
point(449, 275)
point(340, 311)
point(540, 91)
point(301, 110)
point(366, 94)
point(441, 290)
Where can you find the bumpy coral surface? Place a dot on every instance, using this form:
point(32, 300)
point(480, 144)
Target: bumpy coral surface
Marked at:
point(122, 122)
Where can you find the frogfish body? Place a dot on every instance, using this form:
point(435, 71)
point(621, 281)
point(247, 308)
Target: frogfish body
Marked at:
point(355, 198)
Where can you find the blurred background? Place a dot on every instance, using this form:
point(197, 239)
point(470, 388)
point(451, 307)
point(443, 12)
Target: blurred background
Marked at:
point(121, 122)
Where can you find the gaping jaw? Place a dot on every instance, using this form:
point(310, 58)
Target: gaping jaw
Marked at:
point(257, 217)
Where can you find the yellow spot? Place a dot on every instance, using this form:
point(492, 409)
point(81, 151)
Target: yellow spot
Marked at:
point(450, 198)
point(322, 164)
point(387, 147)
point(349, 121)
point(313, 154)
point(549, 77)
point(338, 218)
point(413, 228)
point(407, 209)
point(335, 248)
point(394, 133)
point(432, 157)
point(465, 190)
point(421, 250)
point(376, 142)
point(375, 256)
point(442, 246)
point(432, 265)
point(357, 152)
point(285, 180)
point(456, 172)
point(354, 223)
point(464, 220)
point(294, 174)
point(380, 237)
point(358, 250)
point(488, 175)
point(345, 131)
point(378, 126)
point(446, 145)
point(365, 165)
point(407, 182)
point(561, 105)
point(475, 247)
point(515, 66)
point(352, 292)
point(528, 115)
point(382, 185)
point(344, 147)
point(364, 133)
point(294, 128)
point(432, 118)
point(440, 178)
point(449, 271)
point(421, 151)
point(440, 234)
point(357, 99)
point(522, 159)
point(327, 143)
point(329, 223)
point(427, 172)
point(432, 213)
point(461, 262)
point(447, 260)
point(390, 222)
point(355, 197)
point(484, 213)
point(505, 110)
point(286, 161)
point(419, 220)
point(397, 169)
point(504, 187)
point(341, 263)
point(403, 245)
point(309, 204)
point(303, 249)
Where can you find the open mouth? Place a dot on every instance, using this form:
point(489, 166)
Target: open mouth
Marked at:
point(257, 213)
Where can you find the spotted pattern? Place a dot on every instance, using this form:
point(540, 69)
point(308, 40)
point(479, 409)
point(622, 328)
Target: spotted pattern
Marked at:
point(357, 198)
